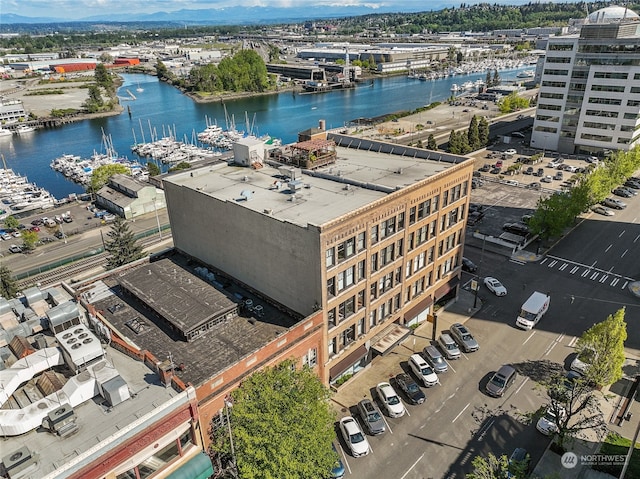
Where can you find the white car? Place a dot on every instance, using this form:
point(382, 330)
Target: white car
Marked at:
point(422, 370)
point(583, 360)
point(390, 399)
point(354, 437)
point(495, 286)
point(510, 152)
point(548, 423)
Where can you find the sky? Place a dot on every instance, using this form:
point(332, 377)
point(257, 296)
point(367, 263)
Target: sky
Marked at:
point(74, 9)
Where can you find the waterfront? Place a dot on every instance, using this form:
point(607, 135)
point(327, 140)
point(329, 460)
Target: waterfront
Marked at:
point(161, 110)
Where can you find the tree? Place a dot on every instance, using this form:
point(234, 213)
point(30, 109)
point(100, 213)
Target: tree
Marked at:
point(94, 102)
point(29, 240)
point(473, 134)
point(607, 341)
point(575, 407)
point(11, 222)
point(103, 77)
point(121, 245)
point(491, 467)
point(496, 78)
point(483, 131)
point(282, 424)
point(431, 143)
point(153, 169)
point(487, 79)
point(8, 285)
point(101, 175)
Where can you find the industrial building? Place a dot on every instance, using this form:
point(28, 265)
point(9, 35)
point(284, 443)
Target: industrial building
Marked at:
point(74, 406)
point(589, 99)
point(368, 234)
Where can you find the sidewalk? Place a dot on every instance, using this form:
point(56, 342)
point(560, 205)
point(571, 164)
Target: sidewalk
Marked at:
point(382, 368)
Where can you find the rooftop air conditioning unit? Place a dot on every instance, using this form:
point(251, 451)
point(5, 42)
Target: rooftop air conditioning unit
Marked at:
point(61, 421)
point(20, 463)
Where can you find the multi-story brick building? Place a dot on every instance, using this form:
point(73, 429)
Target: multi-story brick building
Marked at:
point(372, 238)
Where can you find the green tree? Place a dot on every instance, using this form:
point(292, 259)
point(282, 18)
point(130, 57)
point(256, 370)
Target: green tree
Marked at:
point(490, 467)
point(11, 222)
point(8, 285)
point(95, 101)
point(121, 245)
point(607, 340)
point(162, 72)
point(431, 143)
point(455, 144)
point(487, 79)
point(153, 169)
point(29, 240)
point(282, 424)
point(483, 131)
point(473, 134)
point(183, 165)
point(103, 77)
point(496, 80)
point(101, 175)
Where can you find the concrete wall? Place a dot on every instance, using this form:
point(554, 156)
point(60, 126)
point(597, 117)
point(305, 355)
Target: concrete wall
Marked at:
point(279, 259)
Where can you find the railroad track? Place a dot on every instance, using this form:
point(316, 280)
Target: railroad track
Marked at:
point(67, 271)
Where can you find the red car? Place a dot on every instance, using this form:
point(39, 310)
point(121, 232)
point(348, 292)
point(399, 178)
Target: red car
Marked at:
point(34, 228)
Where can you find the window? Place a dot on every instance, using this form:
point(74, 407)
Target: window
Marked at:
point(348, 336)
point(331, 317)
point(362, 269)
point(361, 303)
point(374, 234)
point(614, 75)
point(387, 228)
point(410, 241)
point(421, 235)
point(374, 262)
point(361, 329)
point(387, 255)
point(331, 257)
point(373, 318)
point(311, 358)
point(362, 241)
point(347, 308)
point(346, 249)
point(445, 198)
point(401, 221)
point(331, 287)
point(332, 346)
point(412, 215)
point(443, 222)
point(374, 292)
point(346, 278)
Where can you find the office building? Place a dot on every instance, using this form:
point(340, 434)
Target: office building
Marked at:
point(589, 100)
point(370, 234)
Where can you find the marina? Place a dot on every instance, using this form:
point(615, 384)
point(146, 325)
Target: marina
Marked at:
point(18, 196)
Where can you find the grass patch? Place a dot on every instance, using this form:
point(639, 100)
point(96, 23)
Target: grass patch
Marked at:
point(616, 444)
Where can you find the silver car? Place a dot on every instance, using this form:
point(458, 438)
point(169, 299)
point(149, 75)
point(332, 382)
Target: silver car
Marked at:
point(449, 346)
point(371, 417)
point(501, 380)
point(464, 338)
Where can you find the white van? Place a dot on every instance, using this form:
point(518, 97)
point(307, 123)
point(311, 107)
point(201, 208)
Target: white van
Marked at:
point(532, 310)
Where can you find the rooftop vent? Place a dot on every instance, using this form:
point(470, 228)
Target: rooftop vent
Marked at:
point(61, 421)
point(246, 195)
point(20, 463)
point(267, 211)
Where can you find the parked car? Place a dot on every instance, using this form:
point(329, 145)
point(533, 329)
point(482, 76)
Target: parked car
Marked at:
point(108, 217)
point(510, 152)
point(435, 359)
point(410, 388)
point(601, 210)
point(498, 164)
point(495, 286)
point(338, 470)
point(495, 171)
point(631, 191)
point(548, 423)
point(35, 228)
point(519, 464)
point(583, 360)
point(468, 266)
point(463, 337)
point(558, 176)
point(528, 171)
point(501, 381)
point(622, 192)
point(354, 437)
point(422, 370)
point(390, 400)
point(448, 346)
point(534, 186)
point(6, 236)
point(516, 228)
point(59, 235)
point(15, 248)
point(485, 168)
point(614, 203)
point(371, 417)
point(546, 179)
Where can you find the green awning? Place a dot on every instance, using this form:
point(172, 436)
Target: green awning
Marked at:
point(199, 467)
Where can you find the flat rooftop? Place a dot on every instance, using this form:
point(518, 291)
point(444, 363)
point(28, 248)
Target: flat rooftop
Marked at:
point(95, 419)
point(214, 351)
point(358, 178)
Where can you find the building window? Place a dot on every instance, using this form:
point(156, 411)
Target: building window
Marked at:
point(331, 257)
point(445, 198)
point(361, 303)
point(346, 278)
point(362, 240)
point(410, 242)
point(374, 262)
point(311, 358)
point(362, 269)
point(331, 317)
point(348, 336)
point(373, 318)
point(361, 330)
point(332, 347)
point(412, 215)
point(374, 234)
point(401, 221)
point(331, 287)
point(374, 291)
point(347, 308)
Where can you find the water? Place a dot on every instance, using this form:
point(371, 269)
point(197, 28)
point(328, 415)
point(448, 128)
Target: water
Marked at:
point(161, 110)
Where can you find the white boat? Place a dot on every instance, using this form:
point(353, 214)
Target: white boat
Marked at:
point(455, 87)
point(5, 132)
point(468, 85)
point(525, 74)
point(139, 89)
point(24, 129)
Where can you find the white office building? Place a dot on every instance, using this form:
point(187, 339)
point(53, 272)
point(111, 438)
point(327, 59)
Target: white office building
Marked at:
point(589, 97)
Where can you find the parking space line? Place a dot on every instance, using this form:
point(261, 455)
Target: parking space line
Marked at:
point(562, 268)
point(530, 336)
point(594, 275)
point(625, 284)
point(608, 248)
point(615, 281)
point(387, 423)
point(621, 233)
point(484, 429)
point(460, 413)
point(572, 342)
point(464, 356)
point(406, 410)
point(635, 240)
point(413, 465)
point(553, 344)
point(574, 269)
point(551, 265)
point(446, 361)
point(523, 383)
point(586, 272)
point(604, 278)
point(344, 459)
point(544, 260)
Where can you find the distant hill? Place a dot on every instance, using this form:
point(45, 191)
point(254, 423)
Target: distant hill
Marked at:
point(222, 16)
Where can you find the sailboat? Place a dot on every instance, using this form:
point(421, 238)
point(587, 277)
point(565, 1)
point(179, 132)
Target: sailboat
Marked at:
point(139, 89)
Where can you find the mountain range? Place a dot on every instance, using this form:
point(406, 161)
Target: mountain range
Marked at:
point(223, 16)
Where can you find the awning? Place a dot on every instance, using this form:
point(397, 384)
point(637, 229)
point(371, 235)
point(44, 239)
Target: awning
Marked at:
point(418, 308)
point(348, 361)
point(385, 341)
point(199, 467)
point(444, 289)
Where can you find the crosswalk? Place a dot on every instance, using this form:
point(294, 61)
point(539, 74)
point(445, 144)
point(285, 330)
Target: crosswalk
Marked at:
point(588, 272)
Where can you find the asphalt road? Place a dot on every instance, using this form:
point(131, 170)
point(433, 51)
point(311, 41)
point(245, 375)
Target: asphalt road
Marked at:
point(440, 438)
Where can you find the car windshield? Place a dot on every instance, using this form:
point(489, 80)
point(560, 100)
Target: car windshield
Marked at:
point(498, 380)
point(451, 346)
point(356, 438)
point(412, 387)
point(373, 416)
point(467, 337)
point(549, 416)
point(438, 360)
point(426, 371)
point(393, 400)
